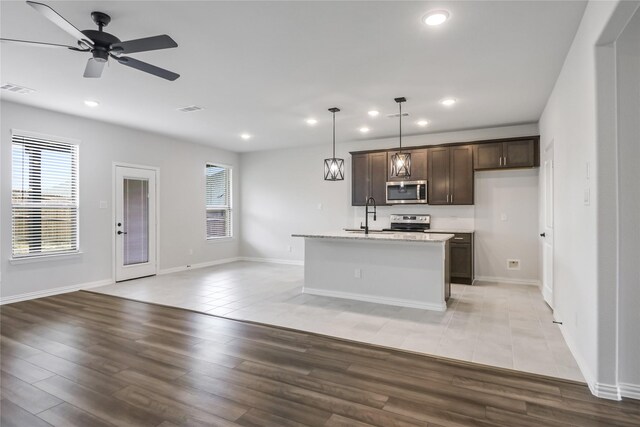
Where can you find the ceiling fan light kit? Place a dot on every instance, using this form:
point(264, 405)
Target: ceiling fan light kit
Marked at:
point(103, 45)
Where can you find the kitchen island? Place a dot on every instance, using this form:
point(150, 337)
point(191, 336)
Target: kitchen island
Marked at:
point(402, 269)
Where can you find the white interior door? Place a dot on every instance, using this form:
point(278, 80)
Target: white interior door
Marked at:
point(135, 222)
point(547, 233)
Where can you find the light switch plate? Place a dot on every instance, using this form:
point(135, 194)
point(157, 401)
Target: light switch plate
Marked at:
point(103, 204)
point(587, 196)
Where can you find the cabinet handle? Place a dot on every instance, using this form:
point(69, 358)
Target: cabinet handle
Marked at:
point(458, 238)
point(505, 160)
point(447, 198)
point(500, 160)
point(452, 199)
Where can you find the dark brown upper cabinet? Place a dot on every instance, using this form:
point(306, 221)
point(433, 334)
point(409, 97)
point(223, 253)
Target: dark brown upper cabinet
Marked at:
point(450, 175)
point(517, 153)
point(368, 178)
point(418, 165)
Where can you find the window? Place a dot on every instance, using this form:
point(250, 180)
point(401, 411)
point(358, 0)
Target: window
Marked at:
point(218, 201)
point(44, 196)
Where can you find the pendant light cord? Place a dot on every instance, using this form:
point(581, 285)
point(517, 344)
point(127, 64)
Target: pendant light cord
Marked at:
point(334, 135)
point(400, 104)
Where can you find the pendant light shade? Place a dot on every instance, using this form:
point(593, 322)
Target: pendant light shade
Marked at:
point(334, 167)
point(401, 162)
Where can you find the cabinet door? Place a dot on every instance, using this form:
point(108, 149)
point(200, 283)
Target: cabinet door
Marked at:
point(359, 179)
point(461, 182)
point(439, 173)
point(487, 156)
point(378, 177)
point(460, 264)
point(518, 154)
point(418, 166)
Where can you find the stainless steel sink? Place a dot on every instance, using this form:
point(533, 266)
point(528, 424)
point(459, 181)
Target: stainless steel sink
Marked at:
point(359, 231)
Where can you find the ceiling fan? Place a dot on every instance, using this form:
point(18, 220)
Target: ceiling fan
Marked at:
point(103, 45)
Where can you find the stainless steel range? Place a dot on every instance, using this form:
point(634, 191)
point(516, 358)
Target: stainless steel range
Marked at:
point(409, 222)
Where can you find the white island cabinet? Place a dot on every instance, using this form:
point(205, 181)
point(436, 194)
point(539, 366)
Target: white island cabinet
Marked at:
point(402, 269)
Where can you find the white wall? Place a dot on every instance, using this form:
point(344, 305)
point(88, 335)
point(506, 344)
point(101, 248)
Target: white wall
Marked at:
point(628, 155)
point(181, 197)
point(283, 193)
point(576, 119)
point(506, 222)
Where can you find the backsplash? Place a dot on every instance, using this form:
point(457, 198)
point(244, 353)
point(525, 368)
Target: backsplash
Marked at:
point(442, 217)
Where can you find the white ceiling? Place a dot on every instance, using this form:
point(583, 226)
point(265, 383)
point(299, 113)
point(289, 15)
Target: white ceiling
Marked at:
point(264, 67)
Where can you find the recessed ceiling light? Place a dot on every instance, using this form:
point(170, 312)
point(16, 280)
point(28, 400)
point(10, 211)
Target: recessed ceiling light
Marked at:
point(311, 122)
point(364, 129)
point(435, 17)
point(373, 113)
point(422, 123)
point(90, 103)
point(448, 102)
point(245, 136)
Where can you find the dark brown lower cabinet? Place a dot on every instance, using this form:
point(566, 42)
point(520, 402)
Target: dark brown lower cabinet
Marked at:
point(460, 262)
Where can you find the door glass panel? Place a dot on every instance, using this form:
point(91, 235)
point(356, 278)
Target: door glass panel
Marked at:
point(136, 221)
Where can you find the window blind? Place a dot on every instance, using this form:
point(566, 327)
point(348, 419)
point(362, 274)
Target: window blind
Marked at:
point(218, 201)
point(44, 196)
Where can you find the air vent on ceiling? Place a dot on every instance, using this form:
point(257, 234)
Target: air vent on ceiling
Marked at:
point(396, 115)
point(190, 109)
point(10, 87)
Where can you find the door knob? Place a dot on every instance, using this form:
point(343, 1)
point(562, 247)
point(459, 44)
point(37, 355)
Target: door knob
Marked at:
point(121, 232)
point(543, 234)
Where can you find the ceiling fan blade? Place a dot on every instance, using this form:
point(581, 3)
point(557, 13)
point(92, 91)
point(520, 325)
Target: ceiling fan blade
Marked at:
point(39, 44)
point(143, 45)
point(94, 68)
point(147, 68)
point(54, 17)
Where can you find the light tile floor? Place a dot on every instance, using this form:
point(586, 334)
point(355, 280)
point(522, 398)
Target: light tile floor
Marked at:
point(495, 324)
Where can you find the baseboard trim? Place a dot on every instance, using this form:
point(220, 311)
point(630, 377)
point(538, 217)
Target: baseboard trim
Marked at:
point(273, 260)
point(378, 300)
point(547, 294)
point(632, 391)
point(198, 265)
point(507, 280)
point(54, 291)
point(582, 364)
point(606, 391)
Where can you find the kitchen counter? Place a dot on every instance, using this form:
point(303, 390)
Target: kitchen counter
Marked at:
point(402, 269)
point(381, 236)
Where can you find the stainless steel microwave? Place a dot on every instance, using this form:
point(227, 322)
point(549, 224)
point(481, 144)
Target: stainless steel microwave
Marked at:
point(406, 192)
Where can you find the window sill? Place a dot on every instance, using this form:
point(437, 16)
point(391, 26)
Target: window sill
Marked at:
point(44, 258)
point(220, 239)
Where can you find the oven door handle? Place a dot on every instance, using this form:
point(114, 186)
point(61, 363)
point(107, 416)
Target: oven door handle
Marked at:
point(418, 192)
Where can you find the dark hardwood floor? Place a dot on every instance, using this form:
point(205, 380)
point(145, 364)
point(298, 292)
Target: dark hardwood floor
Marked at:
point(84, 359)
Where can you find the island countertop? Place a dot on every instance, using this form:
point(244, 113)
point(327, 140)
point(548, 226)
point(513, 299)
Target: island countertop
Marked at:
point(378, 236)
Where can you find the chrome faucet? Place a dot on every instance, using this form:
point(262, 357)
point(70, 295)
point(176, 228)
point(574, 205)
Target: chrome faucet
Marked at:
point(367, 212)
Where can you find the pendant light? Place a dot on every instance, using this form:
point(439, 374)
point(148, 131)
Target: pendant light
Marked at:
point(334, 167)
point(401, 162)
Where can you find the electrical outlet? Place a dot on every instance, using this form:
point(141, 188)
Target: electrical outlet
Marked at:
point(513, 264)
point(503, 217)
point(190, 251)
point(289, 249)
point(319, 206)
point(357, 273)
point(103, 204)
